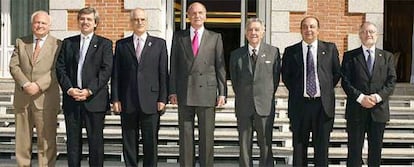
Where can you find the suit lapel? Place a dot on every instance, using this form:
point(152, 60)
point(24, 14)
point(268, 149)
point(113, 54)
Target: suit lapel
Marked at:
point(47, 46)
point(299, 56)
point(147, 46)
point(361, 59)
point(93, 45)
point(320, 55)
point(131, 48)
point(186, 40)
point(245, 58)
point(29, 49)
point(76, 47)
point(377, 60)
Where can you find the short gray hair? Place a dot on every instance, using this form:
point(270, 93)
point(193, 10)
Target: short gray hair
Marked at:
point(253, 20)
point(40, 12)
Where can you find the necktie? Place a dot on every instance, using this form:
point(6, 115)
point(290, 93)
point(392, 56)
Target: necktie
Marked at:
point(194, 43)
point(37, 50)
point(138, 50)
point(82, 54)
point(369, 62)
point(254, 59)
point(310, 74)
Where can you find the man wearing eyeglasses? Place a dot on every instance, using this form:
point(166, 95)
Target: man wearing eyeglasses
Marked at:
point(139, 89)
point(368, 80)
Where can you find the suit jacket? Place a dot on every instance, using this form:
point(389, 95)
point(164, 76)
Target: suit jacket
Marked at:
point(255, 91)
point(197, 81)
point(23, 70)
point(96, 72)
point(328, 69)
point(356, 80)
point(146, 80)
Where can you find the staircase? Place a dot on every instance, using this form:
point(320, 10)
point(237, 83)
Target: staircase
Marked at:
point(398, 139)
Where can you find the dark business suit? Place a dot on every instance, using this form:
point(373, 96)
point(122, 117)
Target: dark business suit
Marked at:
point(255, 99)
point(197, 81)
point(356, 80)
point(96, 72)
point(328, 70)
point(139, 86)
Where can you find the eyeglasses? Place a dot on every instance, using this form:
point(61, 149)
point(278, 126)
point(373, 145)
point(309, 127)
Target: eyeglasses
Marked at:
point(368, 31)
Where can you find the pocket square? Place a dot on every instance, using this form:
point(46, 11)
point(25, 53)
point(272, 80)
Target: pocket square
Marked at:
point(267, 62)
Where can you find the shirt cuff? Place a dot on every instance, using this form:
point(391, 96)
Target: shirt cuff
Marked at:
point(360, 97)
point(378, 97)
point(25, 84)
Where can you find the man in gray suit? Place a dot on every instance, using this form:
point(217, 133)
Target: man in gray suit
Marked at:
point(197, 84)
point(254, 71)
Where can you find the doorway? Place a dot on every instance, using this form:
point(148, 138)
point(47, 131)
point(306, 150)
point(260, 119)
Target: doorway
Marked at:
point(398, 35)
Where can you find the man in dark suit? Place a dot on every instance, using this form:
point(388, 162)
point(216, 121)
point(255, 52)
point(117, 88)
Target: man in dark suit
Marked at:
point(255, 71)
point(368, 80)
point(310, 71)
point(36, 99)
point(197, 84)
point(139, 89)
point(83, 70)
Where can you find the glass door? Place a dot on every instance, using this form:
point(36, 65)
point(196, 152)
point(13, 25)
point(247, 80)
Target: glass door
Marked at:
point(6, 49)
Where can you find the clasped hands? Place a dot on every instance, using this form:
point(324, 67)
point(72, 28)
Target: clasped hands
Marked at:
point(79, 94)
point(369, 101)
point(31, 88)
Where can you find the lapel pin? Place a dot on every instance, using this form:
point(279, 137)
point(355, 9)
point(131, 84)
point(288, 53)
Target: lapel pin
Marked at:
point(263, 55)
point(150, 43)
point(323, 53)
point(95, 46)
point(380, 54)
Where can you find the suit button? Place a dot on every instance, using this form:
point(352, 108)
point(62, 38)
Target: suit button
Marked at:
point(201, 86)
point(201, 74)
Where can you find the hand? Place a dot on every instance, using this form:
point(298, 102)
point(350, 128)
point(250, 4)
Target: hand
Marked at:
point(116, 107)
point(173, 99)
point(368, 102)
point(374, 98)
point(221, 101)
point(161, 108)
point(32, 88)
point(77, 94)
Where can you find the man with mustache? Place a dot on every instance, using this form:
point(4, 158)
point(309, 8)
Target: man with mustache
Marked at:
point(83, 69)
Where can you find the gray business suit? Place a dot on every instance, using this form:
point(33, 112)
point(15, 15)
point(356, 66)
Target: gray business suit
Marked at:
point(197, 82)
point(255, 101)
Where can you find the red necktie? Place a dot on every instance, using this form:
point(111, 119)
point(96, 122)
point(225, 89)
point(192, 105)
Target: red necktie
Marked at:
point(195, 43)
point(37, 50)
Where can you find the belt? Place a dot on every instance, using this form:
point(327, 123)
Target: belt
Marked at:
point(312, 98)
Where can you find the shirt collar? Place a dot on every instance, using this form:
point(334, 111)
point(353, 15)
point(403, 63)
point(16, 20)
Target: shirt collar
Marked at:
point(89, 36)
point(41, 39)
point(143, 37)
point(314, 44)
point(199, 31)
point(372, 49)
point(251, 48)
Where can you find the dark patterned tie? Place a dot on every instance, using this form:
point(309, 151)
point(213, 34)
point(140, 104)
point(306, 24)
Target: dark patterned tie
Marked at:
point(310, 74)
point(369, 62)
point(254, 59)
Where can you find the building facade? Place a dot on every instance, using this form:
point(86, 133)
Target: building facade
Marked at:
point(339, 20)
